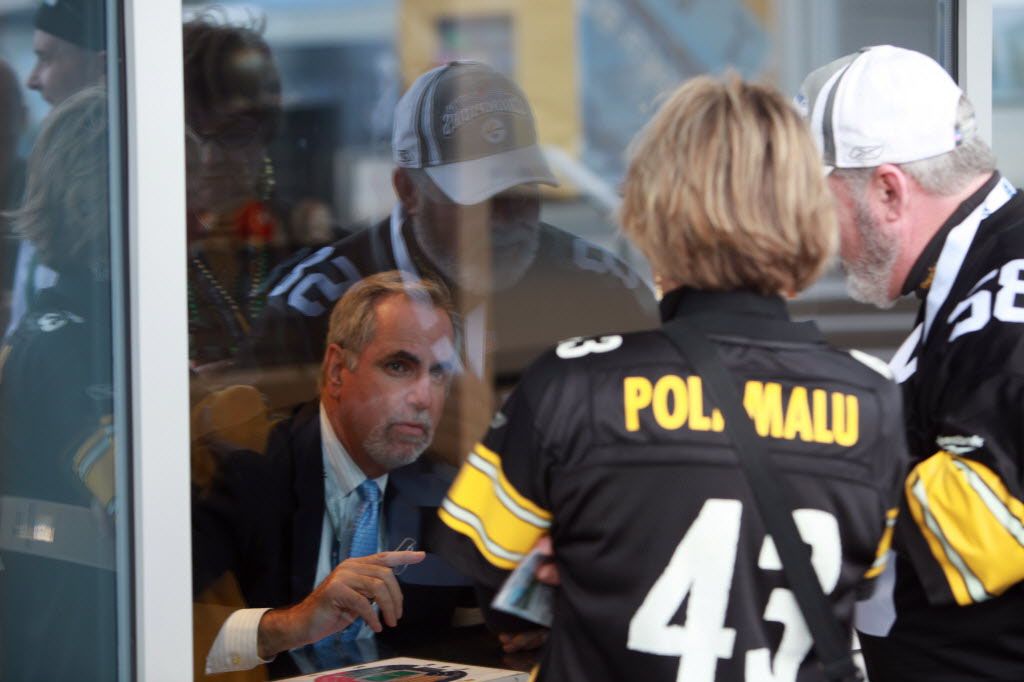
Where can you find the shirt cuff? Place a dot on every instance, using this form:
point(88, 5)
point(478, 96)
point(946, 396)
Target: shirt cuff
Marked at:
point(236, 646)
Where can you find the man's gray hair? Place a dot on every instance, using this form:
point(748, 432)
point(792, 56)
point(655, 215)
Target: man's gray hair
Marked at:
point(354, 319)
point(945, 174)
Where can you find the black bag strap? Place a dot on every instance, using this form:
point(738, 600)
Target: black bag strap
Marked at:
point(832, 645)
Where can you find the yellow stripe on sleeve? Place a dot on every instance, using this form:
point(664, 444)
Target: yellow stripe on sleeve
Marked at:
point(473, 534)
point(493, 458)
point(884, 544)
point(483, 506)
point(972, 524)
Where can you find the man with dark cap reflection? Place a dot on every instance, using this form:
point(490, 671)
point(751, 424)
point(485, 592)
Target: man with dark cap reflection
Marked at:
point(70, 47)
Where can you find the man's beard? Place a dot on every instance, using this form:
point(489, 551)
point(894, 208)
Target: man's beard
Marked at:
point(383, 449)
point(513, 248)
point(867, 277)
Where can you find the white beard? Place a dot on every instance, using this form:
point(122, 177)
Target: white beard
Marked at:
point(867, 278)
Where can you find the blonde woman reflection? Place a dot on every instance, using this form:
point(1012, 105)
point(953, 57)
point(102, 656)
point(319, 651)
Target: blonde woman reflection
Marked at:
point(56, 447)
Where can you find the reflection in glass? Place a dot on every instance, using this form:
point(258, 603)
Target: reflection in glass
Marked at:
point(56, 442)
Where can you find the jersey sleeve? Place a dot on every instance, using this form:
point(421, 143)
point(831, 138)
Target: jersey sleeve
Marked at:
point(966, 538)
point(890, 469)
point(497, 507)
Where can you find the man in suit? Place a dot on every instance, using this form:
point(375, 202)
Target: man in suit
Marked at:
point(289, 524)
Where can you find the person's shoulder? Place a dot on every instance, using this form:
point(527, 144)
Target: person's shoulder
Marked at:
point(852, 369)
point(587, 355)
point(424, 482)
point(347, 259)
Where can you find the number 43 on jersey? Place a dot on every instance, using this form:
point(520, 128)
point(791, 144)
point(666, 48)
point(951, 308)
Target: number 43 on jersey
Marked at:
point(701, 568)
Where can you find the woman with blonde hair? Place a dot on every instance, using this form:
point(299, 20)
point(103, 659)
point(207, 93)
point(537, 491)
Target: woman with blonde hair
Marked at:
point(56, 405)
point(618, 451)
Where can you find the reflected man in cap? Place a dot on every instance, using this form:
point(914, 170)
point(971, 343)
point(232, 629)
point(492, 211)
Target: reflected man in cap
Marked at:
point(70, 47)
point(467, 173)
point(923, 211)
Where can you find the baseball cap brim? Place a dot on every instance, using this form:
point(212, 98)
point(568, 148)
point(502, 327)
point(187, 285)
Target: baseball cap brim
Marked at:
point(471, 182)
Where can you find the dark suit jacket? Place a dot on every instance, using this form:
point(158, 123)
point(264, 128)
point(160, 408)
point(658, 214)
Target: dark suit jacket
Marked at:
point(262, 519)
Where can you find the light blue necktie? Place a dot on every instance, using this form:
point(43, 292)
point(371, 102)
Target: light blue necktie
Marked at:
point(339, 649)
point(365, 537)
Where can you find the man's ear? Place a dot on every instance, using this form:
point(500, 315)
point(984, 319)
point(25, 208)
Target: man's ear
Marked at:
point(891, 190)
point(405, 190)
point(334, 365)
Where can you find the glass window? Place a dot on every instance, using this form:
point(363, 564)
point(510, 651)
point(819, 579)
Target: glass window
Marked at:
point(63, 527)
point(1008, 86)
point(327, 142)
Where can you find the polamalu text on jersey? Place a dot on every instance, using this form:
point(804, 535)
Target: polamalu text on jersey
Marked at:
point(814, 415)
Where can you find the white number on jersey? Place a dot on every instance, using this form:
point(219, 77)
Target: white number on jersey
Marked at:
point(701, 568)
point(329, 288)
point(579, 346)
point(979, 307)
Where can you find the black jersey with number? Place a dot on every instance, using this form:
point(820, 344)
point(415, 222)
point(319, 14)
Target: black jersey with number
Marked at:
point(571, 287)
point(959, 597)
point(612, 446)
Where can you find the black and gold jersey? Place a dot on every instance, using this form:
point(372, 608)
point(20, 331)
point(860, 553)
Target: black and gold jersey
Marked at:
point(613, 447)
point(958, 594)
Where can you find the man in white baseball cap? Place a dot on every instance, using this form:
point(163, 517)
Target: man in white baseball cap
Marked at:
point(922, 210)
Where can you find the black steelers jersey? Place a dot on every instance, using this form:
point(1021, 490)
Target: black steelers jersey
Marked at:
point(612, 446)
point(958, 595)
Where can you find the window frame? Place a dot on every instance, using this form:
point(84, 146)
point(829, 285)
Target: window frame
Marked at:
point(157, 349)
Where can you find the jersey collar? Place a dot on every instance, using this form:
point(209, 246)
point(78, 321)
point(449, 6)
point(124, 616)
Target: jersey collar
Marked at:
point(741, 314)
point(919, 280)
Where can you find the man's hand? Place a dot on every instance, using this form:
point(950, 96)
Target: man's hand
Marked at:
point(547, 572)
point(349, 592)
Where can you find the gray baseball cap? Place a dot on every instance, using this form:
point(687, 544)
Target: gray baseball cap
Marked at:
point(471, 129)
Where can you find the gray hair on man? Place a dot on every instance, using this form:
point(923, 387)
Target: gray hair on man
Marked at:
point(354, 321)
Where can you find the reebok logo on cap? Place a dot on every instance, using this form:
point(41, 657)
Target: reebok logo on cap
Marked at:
point(883, 104)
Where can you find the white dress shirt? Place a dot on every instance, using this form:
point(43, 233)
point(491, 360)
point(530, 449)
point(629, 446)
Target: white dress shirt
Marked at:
point(236, 647)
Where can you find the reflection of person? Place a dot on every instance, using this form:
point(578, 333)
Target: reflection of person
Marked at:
point(923, 211)
point(232, 107)
point(12, 177)
point(466, 176)
point(276, 520)
point(56, 447)
point(612, 445)
point(70, 46)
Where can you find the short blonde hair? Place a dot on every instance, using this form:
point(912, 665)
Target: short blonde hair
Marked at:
point(354, 319)
point(725, 191)
point(65, 210)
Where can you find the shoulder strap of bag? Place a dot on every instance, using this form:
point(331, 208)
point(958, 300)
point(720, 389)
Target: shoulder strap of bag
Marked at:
point(833, 647)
